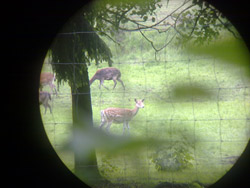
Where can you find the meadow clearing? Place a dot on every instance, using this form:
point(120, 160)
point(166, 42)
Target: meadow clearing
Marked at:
point(212, 130)
point(202, 135)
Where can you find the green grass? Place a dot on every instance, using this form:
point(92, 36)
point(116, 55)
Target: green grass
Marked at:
point(216, 126)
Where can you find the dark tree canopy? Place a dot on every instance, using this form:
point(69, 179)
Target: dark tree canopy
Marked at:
point(108, 15)
point(74, 47)
point(200, 23)
point(79, 42)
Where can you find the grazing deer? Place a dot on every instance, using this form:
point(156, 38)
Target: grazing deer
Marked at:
point(109, 73)
point(44, 98)
point(48, 78)
point(120, 115)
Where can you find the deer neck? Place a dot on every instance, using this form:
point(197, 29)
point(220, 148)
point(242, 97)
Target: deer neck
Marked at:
point(135, 110)
point(92, 80)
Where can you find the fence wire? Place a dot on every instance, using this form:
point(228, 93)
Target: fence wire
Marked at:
point(194, 119)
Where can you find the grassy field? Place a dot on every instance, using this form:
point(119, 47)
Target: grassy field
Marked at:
point(202, 135)
point(216, 127)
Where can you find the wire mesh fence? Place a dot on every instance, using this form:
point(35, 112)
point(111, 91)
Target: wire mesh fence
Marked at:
point(214, 122)
point(212, 129)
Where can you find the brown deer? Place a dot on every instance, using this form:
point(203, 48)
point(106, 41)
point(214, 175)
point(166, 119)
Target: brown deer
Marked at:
point(109, 73)
point(44, 98)
point(48, 78)
point(120, 115)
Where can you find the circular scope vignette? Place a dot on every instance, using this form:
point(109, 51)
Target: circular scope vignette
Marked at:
point(148, 93)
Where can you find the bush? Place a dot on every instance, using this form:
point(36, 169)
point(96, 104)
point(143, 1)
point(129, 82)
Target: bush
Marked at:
point(172, 157)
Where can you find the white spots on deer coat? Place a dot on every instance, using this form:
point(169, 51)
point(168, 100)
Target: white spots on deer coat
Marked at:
point(120, 115)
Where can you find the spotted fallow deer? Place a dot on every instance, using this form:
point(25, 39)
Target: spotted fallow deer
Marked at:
point(109, 73)
point(44, 98)
point(120, 115)
point(47, 78)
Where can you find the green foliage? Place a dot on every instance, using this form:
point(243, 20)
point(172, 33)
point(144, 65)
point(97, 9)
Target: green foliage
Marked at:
point(172, 157)
point(106, 166)
point(154, 121)
point(162, 117)
point(200, 24)
point(72, 46)
point(79, 49)
point(106, 16)
point(176, 153)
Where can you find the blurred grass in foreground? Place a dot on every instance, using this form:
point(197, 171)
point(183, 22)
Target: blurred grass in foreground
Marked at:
point(229, 50)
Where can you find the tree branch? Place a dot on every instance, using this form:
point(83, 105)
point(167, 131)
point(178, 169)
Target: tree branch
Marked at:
point(110, 37)
point(226, 26)
point(177, 18)
point(196, 20)
point(142, 26)
point(152, 43)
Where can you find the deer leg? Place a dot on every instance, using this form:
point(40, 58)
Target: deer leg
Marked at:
point(103, 120)
point(124, 127)
point(54, 87)
point(114, 83)
point(102, 124)
point(101, 84)
point(51, 88)
point(108, 126)
point(45, 108)
point(121, 83)
point(50, 108)
point(127, 127)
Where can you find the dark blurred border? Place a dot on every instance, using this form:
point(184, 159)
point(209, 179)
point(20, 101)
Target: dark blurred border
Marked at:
point(28, 28)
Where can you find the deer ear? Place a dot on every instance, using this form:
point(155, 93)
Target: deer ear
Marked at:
point(142, 100)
